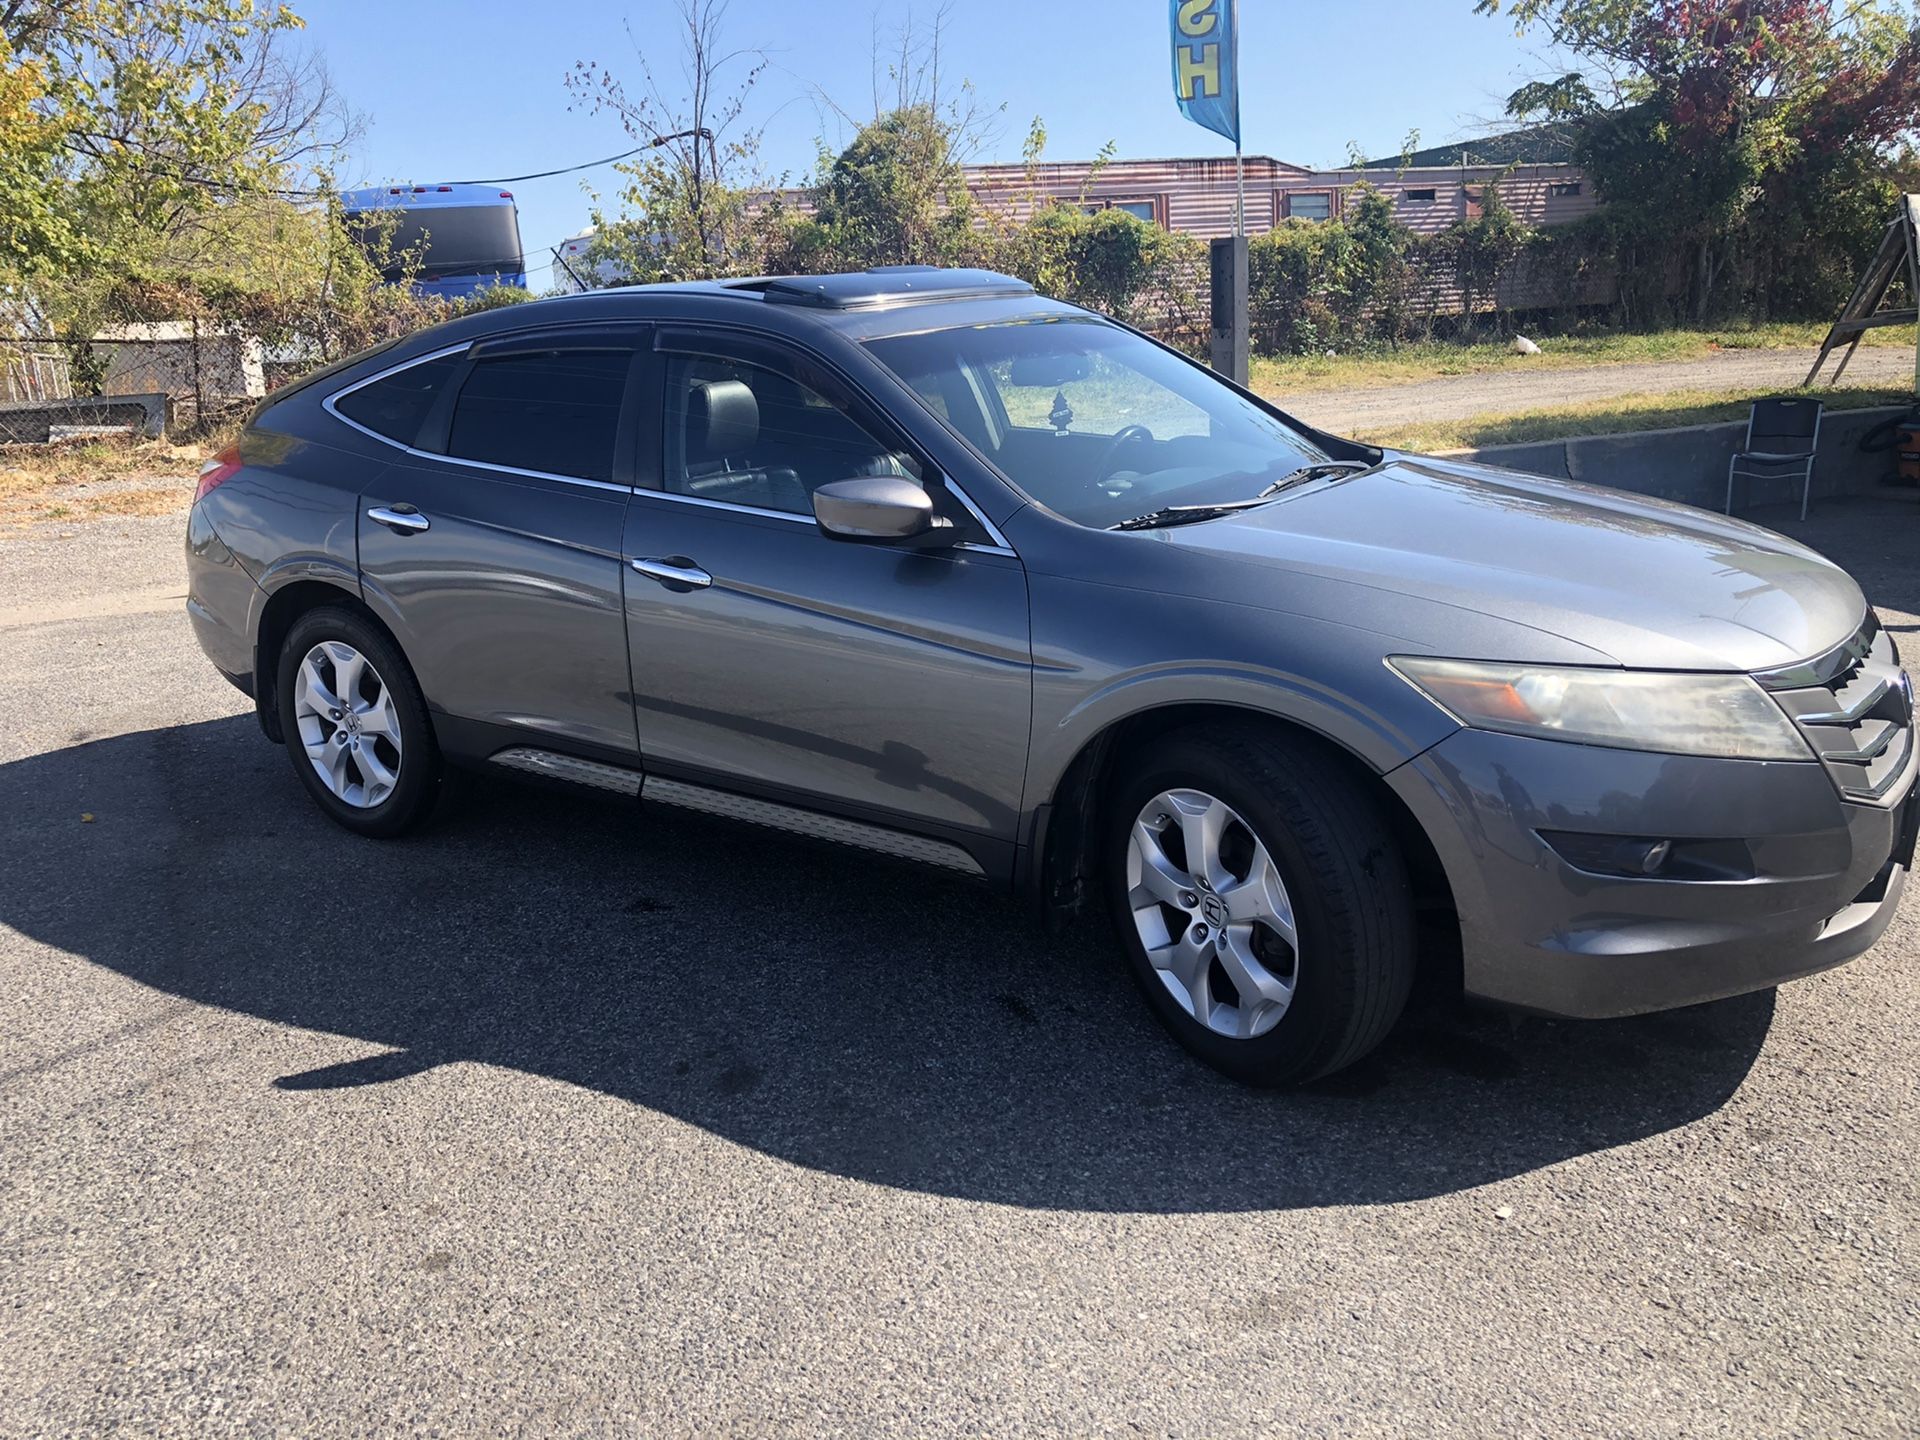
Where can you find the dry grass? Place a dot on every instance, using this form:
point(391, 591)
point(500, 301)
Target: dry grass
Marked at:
point(95, 479)
point(1616, 414)
point(1305, 374)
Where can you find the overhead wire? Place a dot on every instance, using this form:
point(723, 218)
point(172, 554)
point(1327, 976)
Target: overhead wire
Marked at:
point(289, 193)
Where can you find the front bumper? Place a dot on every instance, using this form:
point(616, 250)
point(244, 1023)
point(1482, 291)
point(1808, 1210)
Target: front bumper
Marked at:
point(1539, 935)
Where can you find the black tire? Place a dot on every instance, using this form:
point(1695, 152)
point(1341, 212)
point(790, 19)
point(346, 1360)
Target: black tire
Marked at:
point(422, 774)
point(1343, 871)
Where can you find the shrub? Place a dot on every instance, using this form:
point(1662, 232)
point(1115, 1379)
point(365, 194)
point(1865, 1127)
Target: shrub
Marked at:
point(1297, 286)
point(1110, 261)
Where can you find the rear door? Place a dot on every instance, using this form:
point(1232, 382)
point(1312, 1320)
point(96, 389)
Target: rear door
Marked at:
point(492, 545)
point(876, 683)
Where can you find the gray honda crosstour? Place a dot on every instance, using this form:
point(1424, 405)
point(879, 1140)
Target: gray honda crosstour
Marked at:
point(920, 562)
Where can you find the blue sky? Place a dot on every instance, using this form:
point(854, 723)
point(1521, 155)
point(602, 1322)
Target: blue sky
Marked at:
point(455, 91)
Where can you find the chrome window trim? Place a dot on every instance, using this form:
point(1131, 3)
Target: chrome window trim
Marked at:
point(330, 407)
point(998, 547)
point(707, 504)
point(645, 491)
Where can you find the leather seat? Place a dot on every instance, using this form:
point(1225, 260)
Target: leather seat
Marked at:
point(723, 429)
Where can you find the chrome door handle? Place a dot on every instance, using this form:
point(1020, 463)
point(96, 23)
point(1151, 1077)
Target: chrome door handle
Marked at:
point(404, 522)
point(676, 572)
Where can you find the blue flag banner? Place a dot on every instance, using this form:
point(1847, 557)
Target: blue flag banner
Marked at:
point(1206, 65)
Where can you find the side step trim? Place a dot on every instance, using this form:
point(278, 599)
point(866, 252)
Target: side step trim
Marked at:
point(550, 766)
point(796, 821)
point(769, 813)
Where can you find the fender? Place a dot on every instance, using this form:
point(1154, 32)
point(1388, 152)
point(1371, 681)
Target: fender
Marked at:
point(304, 569)
point(293, 570)
point(1375, 716)
point(1381, 740)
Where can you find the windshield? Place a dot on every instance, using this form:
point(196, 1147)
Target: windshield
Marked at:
point(1094, 422)
point(444, 240)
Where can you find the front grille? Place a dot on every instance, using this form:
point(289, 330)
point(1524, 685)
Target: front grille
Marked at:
point(1855, 706)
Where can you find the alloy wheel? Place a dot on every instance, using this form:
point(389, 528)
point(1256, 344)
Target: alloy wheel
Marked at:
point(348, 725)
point(1212, 913)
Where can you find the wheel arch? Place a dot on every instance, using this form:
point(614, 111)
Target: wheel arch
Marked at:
point(278, 616)
point(1063, 867)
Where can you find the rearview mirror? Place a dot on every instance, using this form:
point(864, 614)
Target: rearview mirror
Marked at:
point(881, 510)
point(1050, 372)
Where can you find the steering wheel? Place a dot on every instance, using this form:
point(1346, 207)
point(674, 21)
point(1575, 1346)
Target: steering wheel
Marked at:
point(1129, 435)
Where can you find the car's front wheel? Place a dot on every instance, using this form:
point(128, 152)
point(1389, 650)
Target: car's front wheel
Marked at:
point(356, 725)
point(1263, 901)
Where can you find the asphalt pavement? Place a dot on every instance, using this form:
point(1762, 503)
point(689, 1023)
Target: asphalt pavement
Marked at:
point(574, 1119)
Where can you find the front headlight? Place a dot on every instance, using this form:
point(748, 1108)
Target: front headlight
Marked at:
point(1676, 714)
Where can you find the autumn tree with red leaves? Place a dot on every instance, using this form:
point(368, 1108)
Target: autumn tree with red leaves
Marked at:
point(1752, 147)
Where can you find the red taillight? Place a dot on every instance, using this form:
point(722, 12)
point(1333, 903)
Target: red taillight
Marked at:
point(217, 471)
point(506, 194)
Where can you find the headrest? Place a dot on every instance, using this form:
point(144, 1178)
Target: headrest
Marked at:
point(723, 418)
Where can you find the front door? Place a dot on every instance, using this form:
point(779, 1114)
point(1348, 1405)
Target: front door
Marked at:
point(877, 683)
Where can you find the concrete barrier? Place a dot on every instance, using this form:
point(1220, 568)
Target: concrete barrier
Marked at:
point(1690, 464)
point(35, 422)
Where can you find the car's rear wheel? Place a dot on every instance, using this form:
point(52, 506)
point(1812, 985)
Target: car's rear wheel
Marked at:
point(356, 725)
point(1262, 900)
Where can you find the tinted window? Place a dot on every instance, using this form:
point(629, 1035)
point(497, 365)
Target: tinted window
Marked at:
point(396, 406)
point(746, 436)
point(557, 412)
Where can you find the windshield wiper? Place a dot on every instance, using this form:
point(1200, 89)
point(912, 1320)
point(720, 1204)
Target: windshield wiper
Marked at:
point(1193, 514)
point(1317, 471)
point(1186, 514)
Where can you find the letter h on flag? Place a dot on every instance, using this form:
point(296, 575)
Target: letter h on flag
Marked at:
point(1206, 71)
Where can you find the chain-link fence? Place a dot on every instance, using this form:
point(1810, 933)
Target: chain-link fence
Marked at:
point(145, 377)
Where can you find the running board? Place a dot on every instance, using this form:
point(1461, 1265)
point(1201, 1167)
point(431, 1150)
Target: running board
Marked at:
point(549, 766)
point(790, 819)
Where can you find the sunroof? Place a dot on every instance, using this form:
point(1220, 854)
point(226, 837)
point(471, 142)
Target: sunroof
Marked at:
point(890, 285)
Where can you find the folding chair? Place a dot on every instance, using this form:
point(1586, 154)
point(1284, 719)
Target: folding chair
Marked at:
point(1783, 436)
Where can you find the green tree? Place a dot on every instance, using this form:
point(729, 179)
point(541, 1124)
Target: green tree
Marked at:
point(32, 224)
point(897, 195)
point(1380, 285)
point(150, 118)
point(1482, 248)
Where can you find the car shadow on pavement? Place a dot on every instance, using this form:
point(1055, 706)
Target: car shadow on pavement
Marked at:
point(849, 1015)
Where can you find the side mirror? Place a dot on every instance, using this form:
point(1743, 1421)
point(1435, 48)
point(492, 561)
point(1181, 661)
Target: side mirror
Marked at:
point(880, 510)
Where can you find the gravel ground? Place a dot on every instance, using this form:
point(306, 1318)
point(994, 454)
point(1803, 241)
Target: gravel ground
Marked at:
point(1511, 392)
point(563, 1120)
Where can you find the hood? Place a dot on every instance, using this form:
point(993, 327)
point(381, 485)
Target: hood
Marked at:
point(1646, 583)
